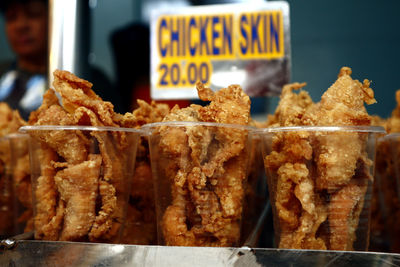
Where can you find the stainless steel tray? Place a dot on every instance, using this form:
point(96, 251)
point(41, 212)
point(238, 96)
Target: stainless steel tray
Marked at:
point(47, 253)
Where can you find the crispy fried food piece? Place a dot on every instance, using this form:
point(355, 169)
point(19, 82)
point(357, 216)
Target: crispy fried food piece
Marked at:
point(22, 180)
point(103, 222)
point(26, 218)
point(229, 190)
point(341, 104)
point(206, 170)
point(346, 206)
point(81, 106)
point(174, 226)
point(385, 229)
point(145, 113)
point(256, 192)
point(228, 105)
point(46, 197)
point(79, 193)
point(319, 180)
point(140, 227)
point(299, 208)
point(342, 217)
point(73, 147)
point(113, 187)
point(393, 123)
point(76, 92)
point(337, 156)
point(114, 178)
point(49, 99)
point(292, 106)
point(378, 121)
point(378, 242)
point(388, 170)
point(6, 207)
point(69, 145)
point(10, 122)
point(5, 117)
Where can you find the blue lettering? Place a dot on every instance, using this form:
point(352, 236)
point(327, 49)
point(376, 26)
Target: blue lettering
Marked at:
point(274, 33)
point(183, 37)
point(203, 35)
point(265, 20)
point(174, 37)
point(192, 49)
point(254, 33)
point(215, 35)
point(243, 20)
point(227, 35)
point(163, 50)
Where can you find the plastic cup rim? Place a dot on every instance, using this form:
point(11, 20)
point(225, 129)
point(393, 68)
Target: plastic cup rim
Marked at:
point(14, 135)
point(150, 126)
point(353, 128)
point(27, 129)
point(391, 136)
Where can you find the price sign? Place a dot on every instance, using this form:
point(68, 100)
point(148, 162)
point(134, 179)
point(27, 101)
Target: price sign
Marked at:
point(220, 45)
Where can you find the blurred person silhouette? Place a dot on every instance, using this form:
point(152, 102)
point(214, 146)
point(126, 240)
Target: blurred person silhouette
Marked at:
point(23, 80)
point(131, 48)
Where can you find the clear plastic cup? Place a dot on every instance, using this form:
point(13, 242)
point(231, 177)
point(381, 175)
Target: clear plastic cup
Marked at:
point(6, 190)
point(81, 177)
point(140, 225)
point(15, 185)
point(388, 191)
point(21, 180)
point(320, 182)
point(256, 195)
point(200, 172)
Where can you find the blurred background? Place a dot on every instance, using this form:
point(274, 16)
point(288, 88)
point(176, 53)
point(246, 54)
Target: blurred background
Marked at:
point(325, 35)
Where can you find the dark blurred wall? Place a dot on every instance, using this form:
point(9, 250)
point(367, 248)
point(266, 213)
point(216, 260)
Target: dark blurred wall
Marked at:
point(326, 35)
point(363, 35)
point(106, 17)
point(5, 51)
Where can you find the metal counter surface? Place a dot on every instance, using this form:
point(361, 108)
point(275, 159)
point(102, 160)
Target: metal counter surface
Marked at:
point(50, 253)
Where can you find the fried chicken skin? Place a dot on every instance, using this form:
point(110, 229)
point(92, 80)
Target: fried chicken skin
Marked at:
point(342, 104)
point(140, 226)
point(393, 123)
point(15, 185)
point(46, 197)
point(79, 193)
point(319, 179)
point(291, 107)
point(385, 230)
point(92, 171)
point(203, 170)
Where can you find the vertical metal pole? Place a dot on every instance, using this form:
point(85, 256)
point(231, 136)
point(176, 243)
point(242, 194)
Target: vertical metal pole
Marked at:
point(68, 37)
